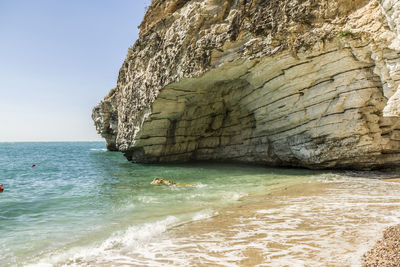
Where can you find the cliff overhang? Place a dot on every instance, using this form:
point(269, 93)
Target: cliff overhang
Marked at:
point(282, 83)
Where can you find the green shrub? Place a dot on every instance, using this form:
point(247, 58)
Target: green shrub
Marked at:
point(345, 33)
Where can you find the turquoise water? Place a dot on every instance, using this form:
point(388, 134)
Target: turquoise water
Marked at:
point(82, 199)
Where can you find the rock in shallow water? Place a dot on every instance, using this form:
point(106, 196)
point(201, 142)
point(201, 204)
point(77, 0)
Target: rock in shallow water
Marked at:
point(162, 181)
point(264, 82)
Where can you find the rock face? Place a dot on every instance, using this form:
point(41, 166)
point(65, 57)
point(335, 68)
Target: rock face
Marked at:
point(281, 82)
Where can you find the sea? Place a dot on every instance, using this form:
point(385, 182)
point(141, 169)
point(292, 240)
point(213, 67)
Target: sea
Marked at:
point(77, 204)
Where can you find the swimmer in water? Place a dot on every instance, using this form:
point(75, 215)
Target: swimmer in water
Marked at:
point(1, 188)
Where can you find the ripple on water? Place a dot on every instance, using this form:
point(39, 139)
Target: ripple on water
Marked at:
point(111, 215)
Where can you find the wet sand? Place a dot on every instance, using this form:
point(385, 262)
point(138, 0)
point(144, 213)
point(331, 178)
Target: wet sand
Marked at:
point(325, 223)
point(393, 180)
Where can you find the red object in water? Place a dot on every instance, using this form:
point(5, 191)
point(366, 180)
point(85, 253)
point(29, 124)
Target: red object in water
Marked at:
point(33, 165)
point(1, 188)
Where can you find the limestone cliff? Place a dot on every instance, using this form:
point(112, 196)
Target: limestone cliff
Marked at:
point(280, 82)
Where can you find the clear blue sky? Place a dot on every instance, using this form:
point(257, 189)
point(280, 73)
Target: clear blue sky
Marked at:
point(58, 59)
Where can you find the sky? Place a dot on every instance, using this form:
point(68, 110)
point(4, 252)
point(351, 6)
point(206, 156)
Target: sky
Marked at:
point(58, 59)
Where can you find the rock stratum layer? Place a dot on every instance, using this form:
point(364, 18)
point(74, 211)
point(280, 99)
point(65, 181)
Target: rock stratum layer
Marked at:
point(281, 82)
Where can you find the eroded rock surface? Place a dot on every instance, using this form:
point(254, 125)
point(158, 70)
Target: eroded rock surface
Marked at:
point(283, 82)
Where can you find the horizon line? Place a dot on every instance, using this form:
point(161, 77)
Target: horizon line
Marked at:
point(52, 141)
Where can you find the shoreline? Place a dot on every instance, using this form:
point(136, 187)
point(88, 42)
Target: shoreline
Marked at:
point(329, 220)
